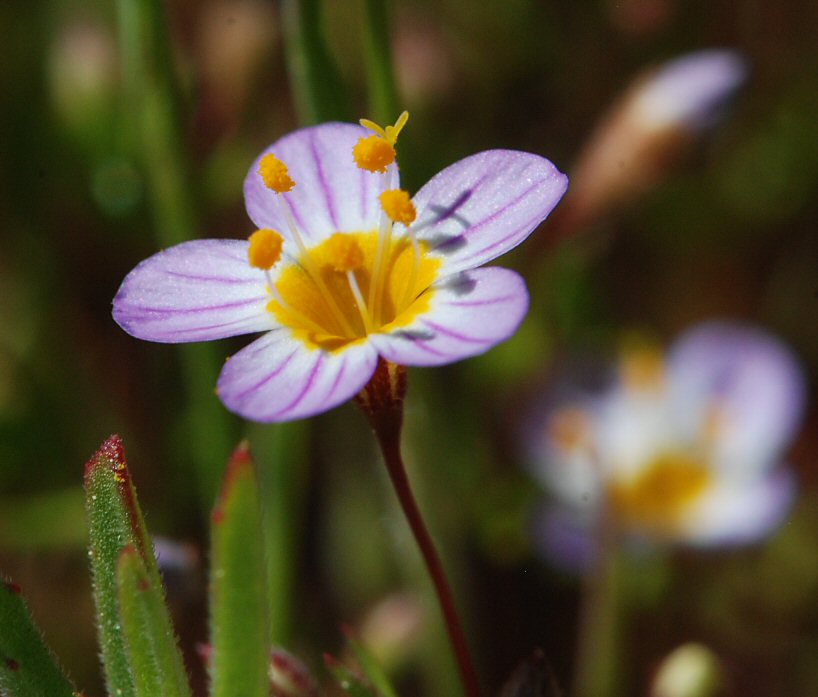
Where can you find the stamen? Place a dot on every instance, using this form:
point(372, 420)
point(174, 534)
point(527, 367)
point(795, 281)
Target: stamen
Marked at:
point(376, 152)
point(312, 271)
point(276, 177)
point(346, 256)
point(265, 249)
point(397, 204)
point(263, 253)
point(359, 298)
point(274, 173)
point(408, 294)
point(373, 153)
point(298, 316)
point(379, 267)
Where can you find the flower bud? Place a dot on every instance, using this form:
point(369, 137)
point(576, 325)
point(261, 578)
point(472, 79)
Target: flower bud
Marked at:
point(636, 144)
point(692, 670)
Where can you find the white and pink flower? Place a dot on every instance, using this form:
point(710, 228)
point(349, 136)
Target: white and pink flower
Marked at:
point(345, 274)
point(681, 448)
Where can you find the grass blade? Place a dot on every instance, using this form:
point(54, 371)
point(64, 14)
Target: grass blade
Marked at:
point(238, 598)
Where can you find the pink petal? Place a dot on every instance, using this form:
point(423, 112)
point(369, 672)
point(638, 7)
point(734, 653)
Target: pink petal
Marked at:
point(736, 512)
point(277, 378)
point(195, 291)
point(470, 312)
point(751, 380)
point(331, 193)
point(690, 91)
point(484, 205)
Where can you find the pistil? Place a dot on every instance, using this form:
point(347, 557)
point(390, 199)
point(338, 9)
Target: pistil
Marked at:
point(397, 206)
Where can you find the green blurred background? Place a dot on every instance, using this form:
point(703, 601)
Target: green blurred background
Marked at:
point(729, 231)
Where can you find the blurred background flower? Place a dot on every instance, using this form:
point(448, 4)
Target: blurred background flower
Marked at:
point(684, 448)
point(647, 131)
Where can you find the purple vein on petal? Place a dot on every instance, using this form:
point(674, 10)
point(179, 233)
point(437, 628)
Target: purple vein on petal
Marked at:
point(322, 180)
point(480, 303)
point(178, 333)
point(236, 251)
point(143, 312)
point(299, 221)
point(310, 382)
point(267, 378)
point(425, 346)
point(337, 380)
point(455, 335)
point(213, 279)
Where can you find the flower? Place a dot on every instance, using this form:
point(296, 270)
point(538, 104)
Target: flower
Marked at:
point(683, 448)
point(346, 268)
point(650, 126)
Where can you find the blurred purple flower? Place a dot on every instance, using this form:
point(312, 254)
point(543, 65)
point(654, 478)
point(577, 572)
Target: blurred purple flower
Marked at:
point(647, 129)
point(688, 92)
point(337, 279)
point(683, 448)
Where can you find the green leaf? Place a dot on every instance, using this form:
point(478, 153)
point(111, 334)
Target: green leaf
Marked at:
point(314, 78)
point(380, 77)
point(115, 522)
point(153, 655)
point(283, 481)
point(348, 680)
point(27, 667)
point(151, 126)
point(370, 666)
point(238, 591)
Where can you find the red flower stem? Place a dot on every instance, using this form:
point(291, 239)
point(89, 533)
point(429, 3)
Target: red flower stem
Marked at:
point(389, 440)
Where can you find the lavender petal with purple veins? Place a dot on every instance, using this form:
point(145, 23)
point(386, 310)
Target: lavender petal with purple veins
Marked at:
point(491, 201)
point(195, 291)
point(497, 302)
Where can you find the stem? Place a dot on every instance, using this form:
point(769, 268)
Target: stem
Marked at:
point(600, 625)
point(389, 441)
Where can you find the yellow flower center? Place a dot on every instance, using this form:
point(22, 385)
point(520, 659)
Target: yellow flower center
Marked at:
point(323, 298)
point(354, 283)
point(642, 368)
point(655, 501)
point(344, 252)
